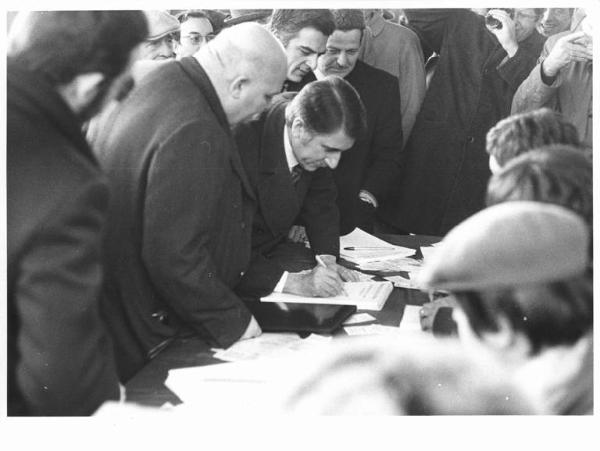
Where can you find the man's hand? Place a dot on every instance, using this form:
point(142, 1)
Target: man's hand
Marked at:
point(321, 281)
point(572, 47)
point(253, 329)
point(345, 274)
point(297, 234)
point(507, 36)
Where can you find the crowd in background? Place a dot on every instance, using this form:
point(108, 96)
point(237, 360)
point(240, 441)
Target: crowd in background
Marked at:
point(159, 165)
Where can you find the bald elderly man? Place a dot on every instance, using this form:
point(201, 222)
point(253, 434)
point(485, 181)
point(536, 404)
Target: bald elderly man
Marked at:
point(181, 215)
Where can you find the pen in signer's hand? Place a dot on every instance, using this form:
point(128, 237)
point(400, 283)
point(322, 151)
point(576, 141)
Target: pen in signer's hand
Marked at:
point(320, 262)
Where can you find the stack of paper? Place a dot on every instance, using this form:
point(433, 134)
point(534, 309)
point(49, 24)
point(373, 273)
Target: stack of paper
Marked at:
point(237, 388)
point(359, 247)
point(364, 295)
point(269, 344)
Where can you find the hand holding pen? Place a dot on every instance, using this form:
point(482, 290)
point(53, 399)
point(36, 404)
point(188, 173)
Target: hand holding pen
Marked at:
point(321, 281)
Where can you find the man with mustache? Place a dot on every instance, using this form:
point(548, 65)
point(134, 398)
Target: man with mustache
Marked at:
point(366, 174)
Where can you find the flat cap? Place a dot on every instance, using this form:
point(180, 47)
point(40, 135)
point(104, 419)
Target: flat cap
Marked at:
point(509, 244)
point(160, 24)
point(246, 15)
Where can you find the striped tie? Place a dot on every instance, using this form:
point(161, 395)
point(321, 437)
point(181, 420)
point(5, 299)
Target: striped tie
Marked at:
point(296, 173)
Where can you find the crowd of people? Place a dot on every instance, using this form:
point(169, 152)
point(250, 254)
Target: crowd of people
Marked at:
point(159, 163)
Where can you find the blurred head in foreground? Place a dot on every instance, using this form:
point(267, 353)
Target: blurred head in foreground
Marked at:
point(519, 273)
point(558, 174)
point(383, 376)
point(520, 133)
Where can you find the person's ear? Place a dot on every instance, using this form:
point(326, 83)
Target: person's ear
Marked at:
point(493, 164)
point(237, 86)
point(299, 131)
point(298, 127)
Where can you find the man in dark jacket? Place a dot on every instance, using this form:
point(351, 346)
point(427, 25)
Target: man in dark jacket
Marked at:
point(369, 170)
point(180, 220)
point(60, 359)
point(445, 166)
point(289, 153)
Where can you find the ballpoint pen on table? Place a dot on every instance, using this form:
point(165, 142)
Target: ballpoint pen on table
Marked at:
point(320, 262)
point(361, 248)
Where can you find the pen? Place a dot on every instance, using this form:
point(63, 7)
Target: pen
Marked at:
point(320, 262)
point(360, 248)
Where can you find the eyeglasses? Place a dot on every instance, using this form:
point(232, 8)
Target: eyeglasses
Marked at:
point(197, 38)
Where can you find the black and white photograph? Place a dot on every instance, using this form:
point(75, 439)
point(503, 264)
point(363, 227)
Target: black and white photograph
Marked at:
point(292, 225)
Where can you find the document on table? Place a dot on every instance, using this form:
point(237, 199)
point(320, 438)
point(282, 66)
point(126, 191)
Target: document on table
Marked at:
point(364, 295)
point(372, 329)
point(403, 282)
point(406, 264)
point(360, 247)
point(226, 388)
point(359, 318)
point(269, 344)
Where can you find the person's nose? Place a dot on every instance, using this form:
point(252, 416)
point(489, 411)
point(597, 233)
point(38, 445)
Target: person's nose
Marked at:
point(167, 49)
point(311, 61)
point(333, 160)
point(342, 60)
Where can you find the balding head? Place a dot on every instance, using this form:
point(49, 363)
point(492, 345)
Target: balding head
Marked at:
point(247, 66)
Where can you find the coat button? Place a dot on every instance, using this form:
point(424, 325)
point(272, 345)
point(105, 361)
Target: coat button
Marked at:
point(243, 225)
point(470, 140)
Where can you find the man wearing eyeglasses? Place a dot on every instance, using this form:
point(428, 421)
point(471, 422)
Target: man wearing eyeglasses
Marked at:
point(196, 30)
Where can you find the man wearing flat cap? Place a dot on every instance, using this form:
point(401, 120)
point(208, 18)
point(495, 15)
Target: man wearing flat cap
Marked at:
point(238, 16)
point(519, 274)
point(162, 37)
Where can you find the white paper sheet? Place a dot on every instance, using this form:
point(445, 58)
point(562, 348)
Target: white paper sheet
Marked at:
point(268, 344)
point(358, 318)
point(364, 295)
point(369, 248)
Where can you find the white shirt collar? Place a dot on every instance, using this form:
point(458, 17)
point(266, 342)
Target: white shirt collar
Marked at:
point(318, 74)
point(289, 152)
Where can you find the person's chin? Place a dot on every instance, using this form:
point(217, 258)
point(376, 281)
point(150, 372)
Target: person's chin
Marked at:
point(548, 30)
point(338, 72)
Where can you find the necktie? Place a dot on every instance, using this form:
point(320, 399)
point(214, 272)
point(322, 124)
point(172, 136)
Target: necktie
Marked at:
point(296, 173)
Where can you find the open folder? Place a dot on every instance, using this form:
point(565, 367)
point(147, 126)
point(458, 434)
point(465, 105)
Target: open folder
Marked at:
point(364, 295)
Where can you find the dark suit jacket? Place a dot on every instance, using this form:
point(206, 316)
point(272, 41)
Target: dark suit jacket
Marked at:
point(281, 203)
point(373, 162)
point(180, 220)
point(60, 359)
point(445, 166)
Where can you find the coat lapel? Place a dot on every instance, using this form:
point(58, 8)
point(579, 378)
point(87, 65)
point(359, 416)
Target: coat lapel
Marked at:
point(277, 197)
point(197, 74)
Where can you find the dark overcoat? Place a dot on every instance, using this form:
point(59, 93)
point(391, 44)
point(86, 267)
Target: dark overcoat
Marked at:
point(60, 359)
point(445, 166)
point(373, 162)
point(180, 218)
point(281, 204)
